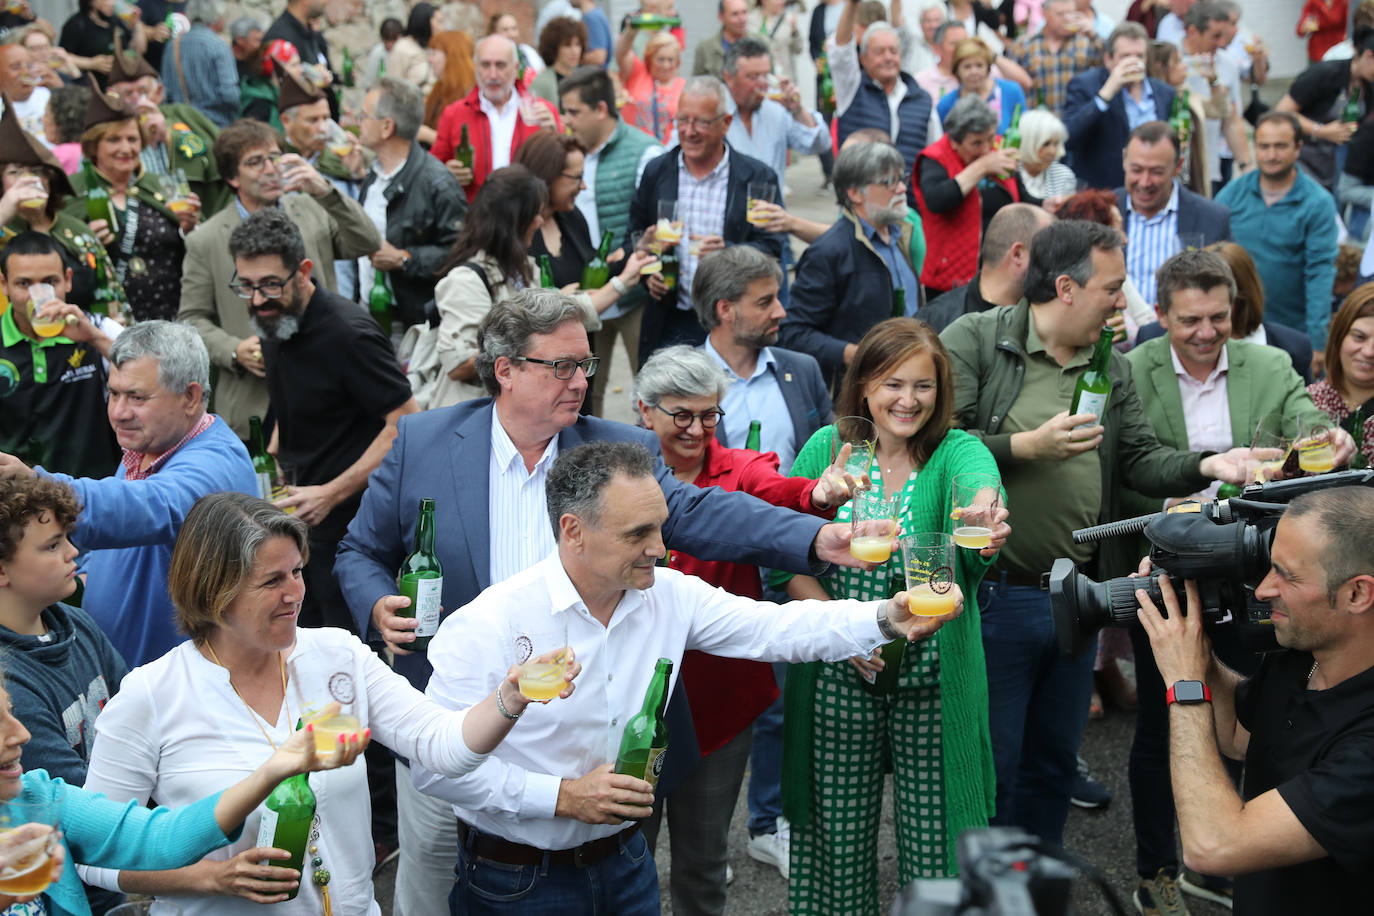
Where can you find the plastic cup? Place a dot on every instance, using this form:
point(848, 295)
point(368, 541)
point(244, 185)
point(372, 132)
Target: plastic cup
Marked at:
point(928, 561)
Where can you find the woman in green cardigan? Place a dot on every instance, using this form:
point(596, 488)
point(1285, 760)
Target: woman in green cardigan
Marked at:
point(931, 729)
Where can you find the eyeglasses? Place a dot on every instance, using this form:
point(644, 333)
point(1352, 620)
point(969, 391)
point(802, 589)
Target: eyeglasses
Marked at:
point(260, 160)
point(271, 288)
point(698, 123)
point(682, 419)
point(890, 182)
point(564, 368)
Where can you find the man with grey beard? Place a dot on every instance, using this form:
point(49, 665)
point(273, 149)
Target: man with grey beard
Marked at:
point(336, 392)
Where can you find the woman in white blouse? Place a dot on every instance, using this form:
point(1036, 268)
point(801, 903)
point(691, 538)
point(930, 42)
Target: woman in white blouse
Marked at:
point(212, 709)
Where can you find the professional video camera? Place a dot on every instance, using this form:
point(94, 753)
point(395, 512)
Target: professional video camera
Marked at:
point(1005, 871)
point(1223, 546)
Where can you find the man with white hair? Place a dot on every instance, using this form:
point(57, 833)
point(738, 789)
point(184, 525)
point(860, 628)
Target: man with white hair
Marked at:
point(199, 68)
point(498, 114)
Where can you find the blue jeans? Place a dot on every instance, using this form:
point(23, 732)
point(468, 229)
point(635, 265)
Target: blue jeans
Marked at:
point(625, 883)
point(1037, 708)
point(765, 764)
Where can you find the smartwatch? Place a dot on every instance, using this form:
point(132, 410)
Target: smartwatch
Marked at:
point(1188, 693)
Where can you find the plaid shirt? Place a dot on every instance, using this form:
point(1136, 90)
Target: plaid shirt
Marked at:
point(1051, 71)
point(701, 204)
point(133, 461)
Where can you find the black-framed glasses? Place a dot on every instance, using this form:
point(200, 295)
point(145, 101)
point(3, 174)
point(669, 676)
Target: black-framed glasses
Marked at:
point(564, 368)
point(271, 288)
point(682, 419)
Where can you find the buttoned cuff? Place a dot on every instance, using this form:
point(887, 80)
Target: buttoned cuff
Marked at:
point(863, 626)
point(540, 798)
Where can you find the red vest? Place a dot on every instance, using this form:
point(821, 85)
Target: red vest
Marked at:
point(953, 238)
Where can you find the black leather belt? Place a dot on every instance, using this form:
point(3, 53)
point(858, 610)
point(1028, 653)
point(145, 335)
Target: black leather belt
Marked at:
point(1030, 580)
point(486, 846)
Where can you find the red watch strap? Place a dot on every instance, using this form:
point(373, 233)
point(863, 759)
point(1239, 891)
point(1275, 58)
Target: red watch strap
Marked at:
point(1169, 698)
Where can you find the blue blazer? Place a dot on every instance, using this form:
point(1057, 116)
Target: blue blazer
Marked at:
point(445, 454)
point(1196, 216)
point(803, 388)
point(1096, 137)
point(1294, 343)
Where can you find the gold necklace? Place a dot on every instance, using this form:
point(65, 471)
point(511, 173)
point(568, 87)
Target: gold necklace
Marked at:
point(252, 712)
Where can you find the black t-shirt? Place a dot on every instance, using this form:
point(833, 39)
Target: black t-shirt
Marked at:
point(1318, 87)
point(52, 405)
point(576, 250)
point(332, 385)
point(82, 36)
point(1317, 748)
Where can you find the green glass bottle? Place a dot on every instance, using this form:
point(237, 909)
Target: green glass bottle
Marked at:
point(1040, 99)
point(898, 302)
point(546, 272)
point(1012, 138)
point(286, 818)
point(1350, 114)
point(379, 300)
point(347, 68)
point(670, 268)
point(646, 734)
point(597, 273)
point(827, 92)
point(1185, 117)
point(98, 204)
point(264, 465)
point(463, 152)
point(648, 21)
point(1355, 426)
point(381, 67)
point(886, 680)
point(755, 441)
point(1228, 491)
point(1094, 386)
point(421, 579)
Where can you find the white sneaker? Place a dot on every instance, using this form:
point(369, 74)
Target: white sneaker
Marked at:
point(773, 848)
point(729, 875)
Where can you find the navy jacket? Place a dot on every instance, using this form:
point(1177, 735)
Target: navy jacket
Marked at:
point(1294, 343)
point(659, 182)
point(1196, 216)
point(870, 109)
point(842, 289)
point(803, 388)
point(445, 453)
point(1097, 138)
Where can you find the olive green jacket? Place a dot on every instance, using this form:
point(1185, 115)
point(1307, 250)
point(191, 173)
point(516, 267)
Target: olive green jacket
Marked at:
point(988, 355)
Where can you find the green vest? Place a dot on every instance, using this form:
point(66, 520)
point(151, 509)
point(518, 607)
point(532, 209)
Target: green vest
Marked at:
point(616, 168)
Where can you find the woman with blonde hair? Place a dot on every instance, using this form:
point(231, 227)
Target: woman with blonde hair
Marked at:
point(1042, 146)
point(653, 84)
point(972, 67)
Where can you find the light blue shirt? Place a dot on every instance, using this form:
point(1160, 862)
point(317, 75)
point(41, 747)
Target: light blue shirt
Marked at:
point(1153, 240)
point(1137, 113)
point(758, 397)
point(775, 132)
point(897, 261)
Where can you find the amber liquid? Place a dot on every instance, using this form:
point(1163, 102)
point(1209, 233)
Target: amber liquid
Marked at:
point(1318, 459)
point(973, 537)
point(541, 680)
point(327, 732)
point(924, 601)
point(871, 549)
point(33, 872)
point(753, 216)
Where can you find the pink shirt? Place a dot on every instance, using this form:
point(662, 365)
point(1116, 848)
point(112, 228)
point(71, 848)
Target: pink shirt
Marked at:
point(1206, 411)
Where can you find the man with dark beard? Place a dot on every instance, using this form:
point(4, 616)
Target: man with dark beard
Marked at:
point(336, 391)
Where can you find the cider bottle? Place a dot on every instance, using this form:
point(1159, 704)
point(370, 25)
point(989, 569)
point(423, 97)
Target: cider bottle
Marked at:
point(754, 442)
point(597, 273)
point(421, 579)
point(1094, 386)
point(379, 301)
point(264, 465)
point(286, 818)
point(646, 734)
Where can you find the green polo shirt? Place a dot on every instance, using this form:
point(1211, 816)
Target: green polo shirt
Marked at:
point(1048, 499)
point(52, 404)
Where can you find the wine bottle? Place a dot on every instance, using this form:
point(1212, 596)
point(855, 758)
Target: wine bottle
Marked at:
point(98, 204)
point(379, 301)
point(1094, 386)
point(597, 273)
point(421, 579)
point(898, 302)
point(286, 818)
point(754, 442)
point(264, 465)
point(546, 272)
point(646, 734)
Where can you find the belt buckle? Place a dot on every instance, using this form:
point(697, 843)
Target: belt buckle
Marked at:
point(1044, 581)
point(581, 856)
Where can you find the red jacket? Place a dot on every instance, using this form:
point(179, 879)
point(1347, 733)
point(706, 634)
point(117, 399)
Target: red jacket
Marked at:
point(1331, 17)
point(952, 238)
point(468, 111)
point(727, 694)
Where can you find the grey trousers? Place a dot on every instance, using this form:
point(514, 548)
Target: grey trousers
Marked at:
point(428, 831)
point(699, 814)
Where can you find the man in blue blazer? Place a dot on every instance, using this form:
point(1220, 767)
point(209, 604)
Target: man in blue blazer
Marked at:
point(1104, 104)
point(484, 463)
point(714, 213)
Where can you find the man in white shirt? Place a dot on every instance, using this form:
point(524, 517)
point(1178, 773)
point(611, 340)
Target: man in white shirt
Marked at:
point(768, 119)
point(1170, 27)
point(549, 796)
point(29, 99)
point(1209, 67)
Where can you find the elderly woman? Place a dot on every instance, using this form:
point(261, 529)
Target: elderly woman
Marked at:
point(1346, 395)
point(973, 68)
point(932, 723)
point(55, 67)
point(677, 395)
point(561, 45)
point(190, 722)
point(145, 241)
point(1042, 175)
point(558, 160)
point(653, 84)
point(961, 180)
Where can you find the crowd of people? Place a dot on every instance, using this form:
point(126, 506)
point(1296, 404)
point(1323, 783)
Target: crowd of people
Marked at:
point(279, 317)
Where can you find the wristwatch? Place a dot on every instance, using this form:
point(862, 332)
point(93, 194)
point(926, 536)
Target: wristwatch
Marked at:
point(1188, 693)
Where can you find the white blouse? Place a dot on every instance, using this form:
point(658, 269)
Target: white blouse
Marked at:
point(177, 732)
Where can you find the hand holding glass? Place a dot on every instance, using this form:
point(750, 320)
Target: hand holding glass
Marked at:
point(542, 654)
point(759, 192)
point(324, 689)
point(928, 559)
point(41, 297)
point(28, 839)
point(1315, 455)
point(977, 497)
point(1270, 448)
point(873, 525)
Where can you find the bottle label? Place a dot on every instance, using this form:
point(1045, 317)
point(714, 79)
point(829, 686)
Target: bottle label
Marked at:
point(653, 766)
point(427, 594)
point(267, 831)
point(1093, 403)
point(265, 485)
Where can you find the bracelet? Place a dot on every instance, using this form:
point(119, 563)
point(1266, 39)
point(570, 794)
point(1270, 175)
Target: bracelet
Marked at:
point(619, 285)
point(885, 625)
point(501, 707)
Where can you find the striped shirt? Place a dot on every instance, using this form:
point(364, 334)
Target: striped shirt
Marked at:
point(701, 206)
point(1152, 241)
point(517, 512)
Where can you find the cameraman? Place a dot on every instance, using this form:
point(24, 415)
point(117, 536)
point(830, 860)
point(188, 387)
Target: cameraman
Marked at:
point(1301, 839)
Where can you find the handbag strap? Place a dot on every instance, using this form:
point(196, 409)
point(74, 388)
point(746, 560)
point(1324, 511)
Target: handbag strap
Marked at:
point(181, 77)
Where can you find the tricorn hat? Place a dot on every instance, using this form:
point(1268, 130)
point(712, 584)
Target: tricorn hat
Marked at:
point(294, 92)
point(106, 107)
point(19, 147)
point(128, 66)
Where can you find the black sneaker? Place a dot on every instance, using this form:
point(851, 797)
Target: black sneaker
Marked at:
point(1206, 887)
point(1088, 792)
